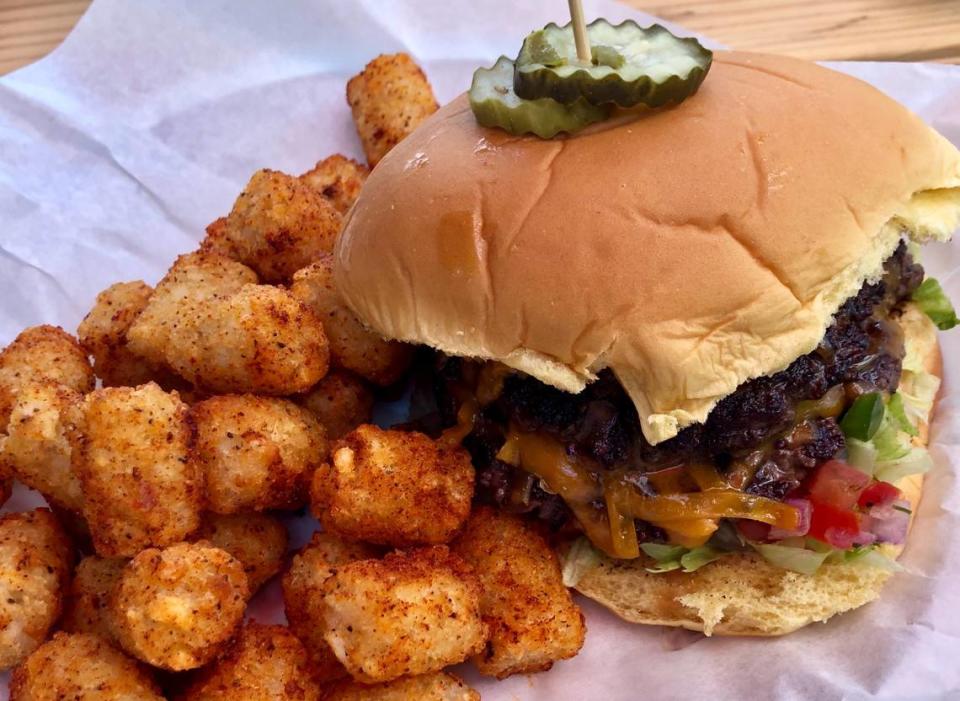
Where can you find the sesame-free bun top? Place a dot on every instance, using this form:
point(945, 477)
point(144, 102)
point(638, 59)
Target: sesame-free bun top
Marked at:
point(688, 249)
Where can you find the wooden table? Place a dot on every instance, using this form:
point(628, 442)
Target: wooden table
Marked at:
point(894, 30)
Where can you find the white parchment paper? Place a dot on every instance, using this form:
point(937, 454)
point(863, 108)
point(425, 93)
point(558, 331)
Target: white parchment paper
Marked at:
point(143, 127)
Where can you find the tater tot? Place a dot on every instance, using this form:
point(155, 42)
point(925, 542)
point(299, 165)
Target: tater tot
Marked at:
point(256, 453)
point(6, 489)
point(258, 541)
point(532, 617)
point(263, 663)
point(37, 449)
point(103, 332)
point(86, 608)
point(339, 179)
point(42, 353)
point(176, 608)
point(178, 303)
point(81, 667)
point(352, 345)
point(279, 224)
point(35, 561)
point(303, 595)
point(211, 325)
point(341, 402)
point(393, 488)
point(140, 486)
point(217, 241)
point(262, 340)
point(388, 99)
point(410, 613)
point(427, 687)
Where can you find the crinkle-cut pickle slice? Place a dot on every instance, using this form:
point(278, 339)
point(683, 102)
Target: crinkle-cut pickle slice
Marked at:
point(495, 104)
point(631, 65)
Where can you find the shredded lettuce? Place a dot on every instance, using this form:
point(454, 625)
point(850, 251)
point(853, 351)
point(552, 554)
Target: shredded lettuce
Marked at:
point(898, 411)
point(933, 302)
point(801, 555)
point(580, 559)
point(918, 390)
point(915, 462)
point(862, 455)
point(698, 557)
point(663, 553)
point(871, 557)
point(890, 454)
point(790, 558)
point(675, 557)
point(890, 441)
point(808, 558)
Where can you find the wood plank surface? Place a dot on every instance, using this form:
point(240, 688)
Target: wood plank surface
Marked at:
point(865, 30)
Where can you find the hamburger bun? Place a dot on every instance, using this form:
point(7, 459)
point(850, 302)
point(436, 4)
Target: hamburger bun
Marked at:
point(688, 249)
point(743, 594)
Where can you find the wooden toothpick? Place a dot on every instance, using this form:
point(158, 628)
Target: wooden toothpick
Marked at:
point(580, 31)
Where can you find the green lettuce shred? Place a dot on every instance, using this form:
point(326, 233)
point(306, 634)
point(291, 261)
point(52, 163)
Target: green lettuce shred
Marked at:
point(790, 558)
point(890, 455)
point(934, 302)
point(580, 559)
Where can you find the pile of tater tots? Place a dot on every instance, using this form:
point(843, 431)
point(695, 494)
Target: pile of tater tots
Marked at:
point(175, 433)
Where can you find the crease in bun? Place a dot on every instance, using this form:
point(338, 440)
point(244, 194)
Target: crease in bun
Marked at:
point(688, 250)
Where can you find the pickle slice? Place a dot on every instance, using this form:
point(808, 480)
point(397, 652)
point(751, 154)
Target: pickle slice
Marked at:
point(631, 65)
point(495, 104)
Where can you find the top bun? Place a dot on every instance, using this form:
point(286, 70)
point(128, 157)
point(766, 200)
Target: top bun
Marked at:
point(689, 249)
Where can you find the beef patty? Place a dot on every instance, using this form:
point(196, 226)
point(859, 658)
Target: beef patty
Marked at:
point(765, 437)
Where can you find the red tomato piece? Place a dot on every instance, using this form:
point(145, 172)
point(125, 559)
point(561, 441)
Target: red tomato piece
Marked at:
point(837, 484)
point(837, 527)
point(878, 494)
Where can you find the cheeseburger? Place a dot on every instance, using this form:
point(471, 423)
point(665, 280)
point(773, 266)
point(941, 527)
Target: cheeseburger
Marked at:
point(677, 313)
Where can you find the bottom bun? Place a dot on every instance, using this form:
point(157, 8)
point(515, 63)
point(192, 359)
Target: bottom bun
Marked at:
point(743, 594)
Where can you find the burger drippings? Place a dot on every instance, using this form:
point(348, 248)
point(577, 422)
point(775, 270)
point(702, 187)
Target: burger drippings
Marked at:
point(763, 439)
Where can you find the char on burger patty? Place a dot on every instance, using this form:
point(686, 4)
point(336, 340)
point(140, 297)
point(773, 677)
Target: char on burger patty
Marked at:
point(769, 432)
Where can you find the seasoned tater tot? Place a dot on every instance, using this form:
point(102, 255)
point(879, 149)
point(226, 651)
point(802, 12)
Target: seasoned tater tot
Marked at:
point(339, 179)
point(139, 484)
point(176, 608)
point(258, 541)
point(42, 353)
point(82, 668)
point(263, 663)
point(410, 613)
point(352, 345)
point(35, 560)
point(175, 312)
point(427, 687)
point(532, 617)
point(279, 224)
point(303, 596)
point(388, 99)
point(217, 241)
point(86, 607)
point(393, 488)
point(341, 402)
point(37, 449)
point(103, 332)
point(261, 340)
point(206, 323)
point(256, 453)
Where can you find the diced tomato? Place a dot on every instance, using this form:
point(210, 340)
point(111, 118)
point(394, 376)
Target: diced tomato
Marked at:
point(753, 530)
point(838, 527)
point(837, 484)
point(878, 494)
